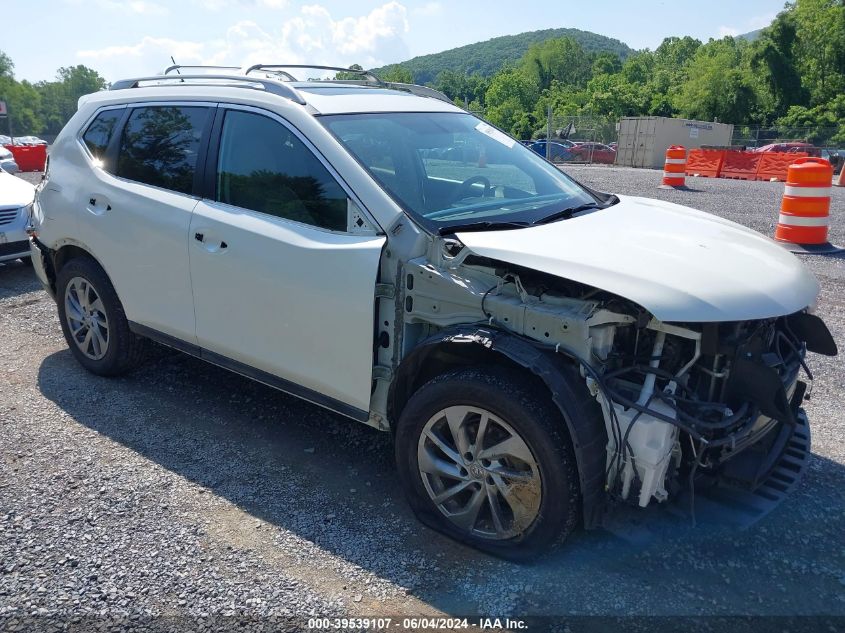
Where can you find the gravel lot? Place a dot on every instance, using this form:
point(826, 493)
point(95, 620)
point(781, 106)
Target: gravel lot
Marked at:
point(186, 491)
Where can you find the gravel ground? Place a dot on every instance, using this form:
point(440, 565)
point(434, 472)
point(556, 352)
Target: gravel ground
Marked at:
point(185, 491)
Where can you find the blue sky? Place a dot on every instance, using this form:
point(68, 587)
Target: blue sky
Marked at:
point(121, 38)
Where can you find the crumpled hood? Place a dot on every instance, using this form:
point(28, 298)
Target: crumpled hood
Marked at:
point(678, 263)
point(14, 191)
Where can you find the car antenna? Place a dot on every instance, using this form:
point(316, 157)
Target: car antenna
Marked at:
point(178, 72)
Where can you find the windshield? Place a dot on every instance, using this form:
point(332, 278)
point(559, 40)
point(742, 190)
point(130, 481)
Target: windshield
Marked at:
point(451, 169)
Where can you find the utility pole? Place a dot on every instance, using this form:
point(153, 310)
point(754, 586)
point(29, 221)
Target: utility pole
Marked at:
point(549, 133)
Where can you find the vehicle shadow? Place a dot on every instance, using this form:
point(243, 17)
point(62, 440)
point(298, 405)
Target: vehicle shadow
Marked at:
point(332, 482)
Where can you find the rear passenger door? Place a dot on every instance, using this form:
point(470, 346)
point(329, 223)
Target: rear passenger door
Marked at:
point(138, 209)
point(284, 263)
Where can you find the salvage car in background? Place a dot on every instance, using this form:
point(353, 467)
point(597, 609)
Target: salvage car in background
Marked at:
point(790, 147)
point(590, 152)
point(7, 161)
point(539, 350)
point(16, 198)
point(559, 150)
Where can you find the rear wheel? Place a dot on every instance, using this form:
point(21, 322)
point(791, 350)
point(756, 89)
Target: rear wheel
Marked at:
point(484, 457)
point(93, 321)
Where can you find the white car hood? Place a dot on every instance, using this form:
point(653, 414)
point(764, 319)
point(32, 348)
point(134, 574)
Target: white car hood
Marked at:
point(678, 263)
point(14, 191)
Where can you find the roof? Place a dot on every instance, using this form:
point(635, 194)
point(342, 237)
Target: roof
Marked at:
point(320, 96)
point(344, 99)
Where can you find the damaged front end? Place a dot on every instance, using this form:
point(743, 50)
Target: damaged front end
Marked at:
point(682, 402)
point(715, 399)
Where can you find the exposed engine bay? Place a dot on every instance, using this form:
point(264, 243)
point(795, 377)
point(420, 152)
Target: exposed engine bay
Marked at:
point(678, 399)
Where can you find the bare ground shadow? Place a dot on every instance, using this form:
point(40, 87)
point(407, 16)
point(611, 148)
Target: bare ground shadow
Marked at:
point(331, 481)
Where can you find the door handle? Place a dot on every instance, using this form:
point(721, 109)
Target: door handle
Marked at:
point(98, 205)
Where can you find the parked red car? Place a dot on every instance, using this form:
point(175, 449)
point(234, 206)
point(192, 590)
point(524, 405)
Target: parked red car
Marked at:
point(593, 152)
point(810, 149)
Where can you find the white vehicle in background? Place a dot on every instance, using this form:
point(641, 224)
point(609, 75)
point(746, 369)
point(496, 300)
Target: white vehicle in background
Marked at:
point(7, 161)
point(29, 140)
point(539, 350)
point(16, 198)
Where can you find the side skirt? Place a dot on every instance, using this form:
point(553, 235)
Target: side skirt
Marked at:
point(258, 375)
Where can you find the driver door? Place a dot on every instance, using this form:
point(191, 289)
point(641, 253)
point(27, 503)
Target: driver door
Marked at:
point(283, 282)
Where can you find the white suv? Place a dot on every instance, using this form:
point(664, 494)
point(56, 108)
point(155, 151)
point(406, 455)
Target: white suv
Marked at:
point(537, 349)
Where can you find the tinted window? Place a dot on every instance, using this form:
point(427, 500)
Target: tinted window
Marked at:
point(160, 144)
point(99, 133)
point(263, 166)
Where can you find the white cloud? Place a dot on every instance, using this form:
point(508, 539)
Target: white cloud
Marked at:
point(313, 36)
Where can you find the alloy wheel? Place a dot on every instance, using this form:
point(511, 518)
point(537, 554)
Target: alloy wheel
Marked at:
point(86, 318)
point(479, 472)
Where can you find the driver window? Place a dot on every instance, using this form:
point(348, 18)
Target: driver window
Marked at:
point(263, 166)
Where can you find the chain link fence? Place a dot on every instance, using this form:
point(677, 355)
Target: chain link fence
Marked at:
point(755, 136)
point(576, 139)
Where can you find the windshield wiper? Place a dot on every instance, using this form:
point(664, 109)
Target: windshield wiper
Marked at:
point(487, 225)
point(565, 214)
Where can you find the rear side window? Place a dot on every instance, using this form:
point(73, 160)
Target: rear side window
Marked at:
point(264, 166)
point(160, 145)
point(99, 133)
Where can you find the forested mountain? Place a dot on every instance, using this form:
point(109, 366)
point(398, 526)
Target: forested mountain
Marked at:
point(487, 58)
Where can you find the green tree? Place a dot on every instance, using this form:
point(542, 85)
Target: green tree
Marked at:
point(824, 123)
point(606, 63)
point(773, 57)
point(561, 60)
point(719, 84)
point(7, 68)
point(820, 59)
point(344, 76)
point(510, 98)
point(59, 99)
point(397, 74)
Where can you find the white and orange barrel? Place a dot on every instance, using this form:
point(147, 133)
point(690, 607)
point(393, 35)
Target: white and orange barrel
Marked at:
point(805, 210)
point(675, 167)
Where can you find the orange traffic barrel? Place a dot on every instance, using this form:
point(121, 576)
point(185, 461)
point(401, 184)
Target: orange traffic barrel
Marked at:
point(805, 211)
point(675, 168)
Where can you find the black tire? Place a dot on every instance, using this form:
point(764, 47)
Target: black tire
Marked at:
point(514, 398)
point(124, 350)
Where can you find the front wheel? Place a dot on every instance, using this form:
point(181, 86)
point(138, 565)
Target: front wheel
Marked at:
point(484, 457)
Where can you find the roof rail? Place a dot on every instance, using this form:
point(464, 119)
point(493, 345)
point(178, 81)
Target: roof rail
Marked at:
point(420, 91)
point(178, 67)
point(269, 85)
point(337, 69)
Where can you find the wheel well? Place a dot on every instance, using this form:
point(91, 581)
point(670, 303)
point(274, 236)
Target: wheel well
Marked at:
point(555, 373)
point(57, 259)
point(67, 253)
point(439, 359)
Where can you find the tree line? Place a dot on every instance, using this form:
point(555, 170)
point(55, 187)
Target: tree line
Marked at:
point(43, 107)
point(791, 75)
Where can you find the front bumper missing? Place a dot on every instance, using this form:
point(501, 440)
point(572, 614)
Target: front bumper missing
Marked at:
point(755, 482)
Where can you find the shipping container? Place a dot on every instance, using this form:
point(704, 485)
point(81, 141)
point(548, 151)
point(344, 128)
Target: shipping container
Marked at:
point(643, 141)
